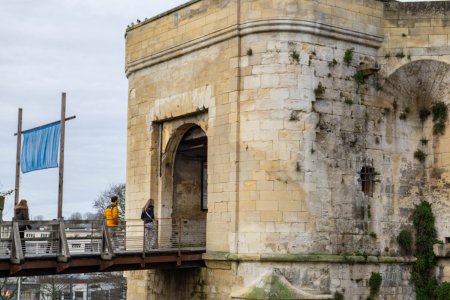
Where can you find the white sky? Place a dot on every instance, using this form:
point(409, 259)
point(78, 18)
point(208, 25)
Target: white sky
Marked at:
point(75, 46)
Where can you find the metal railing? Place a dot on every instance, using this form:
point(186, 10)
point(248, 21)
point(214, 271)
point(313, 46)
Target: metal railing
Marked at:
point(62, 239)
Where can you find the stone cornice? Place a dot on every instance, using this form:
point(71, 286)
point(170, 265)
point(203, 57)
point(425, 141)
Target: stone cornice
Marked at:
point(161, 15)
point(307, 258)
point(255, 27)
point(313, 28)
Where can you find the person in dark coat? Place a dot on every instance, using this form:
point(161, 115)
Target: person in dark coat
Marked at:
point(20, 215)
point(148, 216)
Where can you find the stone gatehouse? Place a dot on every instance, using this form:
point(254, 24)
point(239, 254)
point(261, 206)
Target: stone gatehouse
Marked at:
point(291, 133)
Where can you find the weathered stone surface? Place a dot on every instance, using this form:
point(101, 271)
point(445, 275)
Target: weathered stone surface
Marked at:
point(286, 160)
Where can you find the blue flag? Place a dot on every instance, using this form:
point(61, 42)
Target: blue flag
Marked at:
point(40, 148)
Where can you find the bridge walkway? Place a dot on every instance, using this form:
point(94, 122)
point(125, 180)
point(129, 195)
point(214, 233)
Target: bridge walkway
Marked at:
point(29, 248)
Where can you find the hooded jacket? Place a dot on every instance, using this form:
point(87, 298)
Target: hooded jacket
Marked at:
point(112, 215)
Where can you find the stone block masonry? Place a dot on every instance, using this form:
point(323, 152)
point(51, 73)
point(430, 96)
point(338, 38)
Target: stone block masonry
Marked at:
point(310, 110)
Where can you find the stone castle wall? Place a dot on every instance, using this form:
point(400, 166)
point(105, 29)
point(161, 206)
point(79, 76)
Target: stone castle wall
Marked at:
point(284, 158)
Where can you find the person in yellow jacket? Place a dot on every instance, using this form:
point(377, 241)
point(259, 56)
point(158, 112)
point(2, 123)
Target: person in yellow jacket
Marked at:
point(112, 213)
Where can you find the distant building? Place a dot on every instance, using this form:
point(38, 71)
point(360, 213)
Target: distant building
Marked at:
point(76, 243)
point(83, 286)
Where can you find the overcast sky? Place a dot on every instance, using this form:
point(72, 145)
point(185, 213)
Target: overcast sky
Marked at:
point(75, 46)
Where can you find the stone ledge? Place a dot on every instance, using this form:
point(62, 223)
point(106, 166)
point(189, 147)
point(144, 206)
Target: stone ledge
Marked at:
point(256, 27)
point(311, 258)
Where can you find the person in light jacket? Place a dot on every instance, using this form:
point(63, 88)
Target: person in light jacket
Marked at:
point(148, 216)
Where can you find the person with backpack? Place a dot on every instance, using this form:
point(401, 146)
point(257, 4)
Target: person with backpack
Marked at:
point(112, 213)
point(112, 221)
point(148, 216)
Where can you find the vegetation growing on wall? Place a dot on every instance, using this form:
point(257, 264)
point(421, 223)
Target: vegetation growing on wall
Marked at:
point(443, 291)
point(338, 296)
point(400, 55)
point(374, 284)
point(359, 78)
point(294, 57)
point(319, 90)
point(420, 155)
point(332, 63)
point(405, 241)
point(439, 128)
point(348, 56)
point(439, 111)
point(423, 277)
point(424, 113)
point(422, 274)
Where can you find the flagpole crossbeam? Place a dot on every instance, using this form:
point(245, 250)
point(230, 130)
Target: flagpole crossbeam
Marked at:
point(52, 123)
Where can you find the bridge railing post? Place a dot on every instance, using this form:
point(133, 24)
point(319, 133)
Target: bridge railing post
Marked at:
point(63, 245)
point(107, 249)
point(144, 248)
point(16, 245)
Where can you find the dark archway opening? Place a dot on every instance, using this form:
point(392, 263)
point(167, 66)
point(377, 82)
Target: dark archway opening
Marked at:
point(190, 184)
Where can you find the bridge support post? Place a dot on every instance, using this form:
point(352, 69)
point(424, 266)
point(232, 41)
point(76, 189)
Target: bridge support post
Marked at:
point(64, 252)
point(16, 245)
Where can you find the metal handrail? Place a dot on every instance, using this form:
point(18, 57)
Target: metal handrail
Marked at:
point(64, 239)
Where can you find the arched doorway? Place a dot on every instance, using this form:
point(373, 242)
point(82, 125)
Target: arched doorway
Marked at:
point(190, 187)
point(421, 167)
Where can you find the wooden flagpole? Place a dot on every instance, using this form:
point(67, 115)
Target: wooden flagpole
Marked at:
point(61, 155)
point(19, 147)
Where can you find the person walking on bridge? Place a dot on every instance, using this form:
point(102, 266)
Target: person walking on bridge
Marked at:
point(148, 216)
point(112, 220)
point(112, 213)
point(21, 214)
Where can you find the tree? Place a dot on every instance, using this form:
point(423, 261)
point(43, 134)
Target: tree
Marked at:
point(90, 216)
point(104, 199)
point(53, 287)
point(75, 216)
point(7, 289)
point(3, 195)
point(38, 218)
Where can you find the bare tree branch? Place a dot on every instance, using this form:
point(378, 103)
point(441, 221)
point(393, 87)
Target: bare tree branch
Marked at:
point(104, 199)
